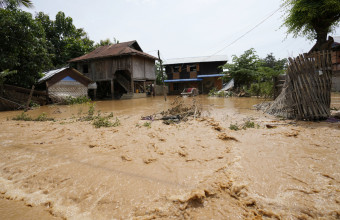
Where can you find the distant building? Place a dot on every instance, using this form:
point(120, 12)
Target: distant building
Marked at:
point(65, 82)
point(203, 73)
point(336, 64)
point(121, 69)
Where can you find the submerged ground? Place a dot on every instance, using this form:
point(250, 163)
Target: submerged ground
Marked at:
point(199, 169)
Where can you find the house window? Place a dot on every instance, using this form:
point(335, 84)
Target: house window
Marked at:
point(193, 68)
point(176, 69)
point(85, 68)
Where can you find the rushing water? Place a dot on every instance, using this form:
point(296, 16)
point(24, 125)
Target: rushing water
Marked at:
point(197, 169)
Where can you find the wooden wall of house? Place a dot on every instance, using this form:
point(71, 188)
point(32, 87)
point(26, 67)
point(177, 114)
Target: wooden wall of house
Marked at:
point(143, 68)
point(105, 69)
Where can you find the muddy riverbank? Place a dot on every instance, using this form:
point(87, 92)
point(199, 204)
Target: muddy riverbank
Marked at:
point(197, 169)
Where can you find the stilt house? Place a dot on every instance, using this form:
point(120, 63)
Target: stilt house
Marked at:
point(203, 73)
point(120, 70)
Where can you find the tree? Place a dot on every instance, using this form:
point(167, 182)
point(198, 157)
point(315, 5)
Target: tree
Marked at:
point(16, 3)
point(313, 19)
point(22, 47)
point(159, 79)
point(65, 41)
point(243, 69)
point(106, 42)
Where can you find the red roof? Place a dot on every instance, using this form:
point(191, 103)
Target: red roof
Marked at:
point(120, 49)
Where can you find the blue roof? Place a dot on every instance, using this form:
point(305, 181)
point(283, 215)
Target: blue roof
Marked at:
point(211, 75)
point(182, 80)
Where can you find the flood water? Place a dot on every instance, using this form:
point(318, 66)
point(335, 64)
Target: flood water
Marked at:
point(199, 169)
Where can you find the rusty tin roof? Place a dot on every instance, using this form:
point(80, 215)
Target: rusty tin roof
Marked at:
point(120, 49)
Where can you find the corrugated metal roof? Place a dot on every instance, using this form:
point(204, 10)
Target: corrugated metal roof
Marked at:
point(51, 73)
point(182, 80)
point(216, 58)
point(125, 48)
point(211, 75)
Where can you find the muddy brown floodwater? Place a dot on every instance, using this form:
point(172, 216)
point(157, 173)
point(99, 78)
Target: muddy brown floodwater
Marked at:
point(199, 169)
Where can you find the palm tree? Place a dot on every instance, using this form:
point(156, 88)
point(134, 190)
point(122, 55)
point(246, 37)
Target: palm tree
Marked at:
point(26, 3)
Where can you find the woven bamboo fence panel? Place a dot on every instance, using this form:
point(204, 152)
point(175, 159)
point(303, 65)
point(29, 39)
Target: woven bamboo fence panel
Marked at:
point(63, 89)
point(306, 93)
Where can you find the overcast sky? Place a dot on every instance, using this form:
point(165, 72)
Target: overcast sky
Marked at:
point(183, 28)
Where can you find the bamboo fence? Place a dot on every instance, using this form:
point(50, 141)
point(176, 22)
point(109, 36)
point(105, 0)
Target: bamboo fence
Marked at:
point(306, 93)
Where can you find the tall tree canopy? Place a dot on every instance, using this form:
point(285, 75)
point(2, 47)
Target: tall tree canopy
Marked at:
point(22, 47)
point(64, 39)
point(16, 3)
point(312, 18)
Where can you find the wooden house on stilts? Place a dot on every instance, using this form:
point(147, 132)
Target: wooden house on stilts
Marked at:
point(120, 70)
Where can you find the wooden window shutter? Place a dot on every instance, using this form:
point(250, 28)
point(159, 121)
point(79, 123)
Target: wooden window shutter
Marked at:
point(188, 68)
point(180, 69)
point(197, 67)
point(172, 69)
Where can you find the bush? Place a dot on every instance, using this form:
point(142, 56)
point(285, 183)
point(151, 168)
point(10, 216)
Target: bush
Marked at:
point(101, 121)
point(77, 100)
point(25, 117)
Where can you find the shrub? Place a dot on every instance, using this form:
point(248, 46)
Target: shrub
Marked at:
point(76, 100)
point(25, 117)
point(234, 127)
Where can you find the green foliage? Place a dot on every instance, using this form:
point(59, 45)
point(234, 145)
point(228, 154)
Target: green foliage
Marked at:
point(25, 117)
point(234, 127)
point(147, 124)
point(249, 71)
point(22, 47)
point(159, 74)
point(3, 75)
point(43, 117)
point(313, 19)
point(104, 121)
point(248, 124)
point(64, 40)
point(243, 69)
point(13, 4)
point(22, 117)
point(106, 42)
point(78, 100)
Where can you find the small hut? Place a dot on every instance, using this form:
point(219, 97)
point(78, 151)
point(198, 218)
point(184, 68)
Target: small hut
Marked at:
point(65, 82)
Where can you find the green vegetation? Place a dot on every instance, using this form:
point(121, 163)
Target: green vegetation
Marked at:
point(25, 117)
point(104, 121)
point(31, 45)
point(253, 74)
point(78, 100)
point(98, 120)
point(244, 126)
point(234, 127)
point(147, 124)
point(313, 19)
point(159, 74)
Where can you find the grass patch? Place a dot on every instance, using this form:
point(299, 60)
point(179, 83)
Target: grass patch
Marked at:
point(104, 121)
point(25, 117)
point(234, 127)
point(147, 124)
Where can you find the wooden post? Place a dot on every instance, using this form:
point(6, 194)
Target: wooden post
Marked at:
point(29, 99)
point(112, 89)
point(144, 87)
point(95, 94)
point(161, 66)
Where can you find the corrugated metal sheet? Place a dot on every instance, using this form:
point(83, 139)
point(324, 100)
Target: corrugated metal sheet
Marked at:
point(51, 73)
point(119, 49)
point(216, 58)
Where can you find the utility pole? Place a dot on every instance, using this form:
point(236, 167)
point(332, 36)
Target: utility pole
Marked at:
point(161, 65)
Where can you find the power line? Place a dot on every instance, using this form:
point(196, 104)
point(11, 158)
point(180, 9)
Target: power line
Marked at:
point(247, 32)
